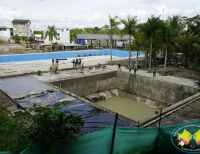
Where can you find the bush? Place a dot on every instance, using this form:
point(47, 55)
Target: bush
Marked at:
point(45, 127)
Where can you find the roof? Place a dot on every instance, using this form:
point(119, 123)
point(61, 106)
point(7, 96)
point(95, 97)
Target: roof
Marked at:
point(70, 44)
point(4, 27)
point(20, 21)
point(102, 37)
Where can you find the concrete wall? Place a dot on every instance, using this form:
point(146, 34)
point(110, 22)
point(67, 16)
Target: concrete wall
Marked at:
point(158, 90)
point(89, 84)
point(5, 34)
point(161, 91)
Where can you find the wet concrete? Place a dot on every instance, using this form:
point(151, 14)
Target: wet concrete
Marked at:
point(127, 107)
point(93, 117)
point(17, 87)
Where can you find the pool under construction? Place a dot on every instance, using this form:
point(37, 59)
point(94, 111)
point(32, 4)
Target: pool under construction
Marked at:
point(138, 99)
point(96, 95)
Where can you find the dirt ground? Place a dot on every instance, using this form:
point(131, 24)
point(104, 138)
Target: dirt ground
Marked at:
point(181, 72)
point(186, 114)
point(12, 48)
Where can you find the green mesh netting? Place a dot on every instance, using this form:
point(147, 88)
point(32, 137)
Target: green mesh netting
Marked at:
point(127, 141)
point(5, 152)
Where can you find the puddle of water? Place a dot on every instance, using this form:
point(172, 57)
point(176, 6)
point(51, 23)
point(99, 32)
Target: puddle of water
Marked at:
point(127, 107)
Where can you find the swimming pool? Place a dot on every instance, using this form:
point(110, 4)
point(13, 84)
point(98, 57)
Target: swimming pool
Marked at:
point(64, 55)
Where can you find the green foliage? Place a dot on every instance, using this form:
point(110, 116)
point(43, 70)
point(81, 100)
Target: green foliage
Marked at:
point(11, 132)
point(51, 33)
point(2, 42)
point(50, 125)
point(46, 127)
point(6, 124)
point(113, 25)
point(130, 24)
point(16, 38)
point(175, 34)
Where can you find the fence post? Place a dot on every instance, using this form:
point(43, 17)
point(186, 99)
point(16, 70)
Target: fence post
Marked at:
point(138, 124)
point(113, 134)
point(160, 117)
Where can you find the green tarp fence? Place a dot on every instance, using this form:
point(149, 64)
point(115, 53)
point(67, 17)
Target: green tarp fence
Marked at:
point(5, 152)
point(127, 141)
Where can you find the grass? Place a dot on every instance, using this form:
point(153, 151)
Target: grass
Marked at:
point(2, 42)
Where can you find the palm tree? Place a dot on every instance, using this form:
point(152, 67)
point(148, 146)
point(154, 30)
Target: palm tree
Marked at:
point(113, 25)
point(188, 44)
point(130, 25)
point(151, 28)
point(139, 44)
point(51, 33)
point(171, 30)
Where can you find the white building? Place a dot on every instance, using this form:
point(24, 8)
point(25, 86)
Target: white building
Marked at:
point(5, 33)
point(21, 27)
point(63, 36)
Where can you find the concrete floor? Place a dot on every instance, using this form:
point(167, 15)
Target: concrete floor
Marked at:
point(49, 77)
point(17, 87)
point(26, 67)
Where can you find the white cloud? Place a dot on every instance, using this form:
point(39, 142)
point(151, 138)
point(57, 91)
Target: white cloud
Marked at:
point(81, 13)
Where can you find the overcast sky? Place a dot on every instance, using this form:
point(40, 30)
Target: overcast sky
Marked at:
point(82, 13)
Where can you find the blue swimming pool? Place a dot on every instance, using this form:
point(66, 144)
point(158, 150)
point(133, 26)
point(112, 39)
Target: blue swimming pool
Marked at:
point(63, 55)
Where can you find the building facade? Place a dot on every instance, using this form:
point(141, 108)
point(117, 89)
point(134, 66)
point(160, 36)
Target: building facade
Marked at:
point(21, 27)
point(5, 33)
point(63, 36)
point(103, 40)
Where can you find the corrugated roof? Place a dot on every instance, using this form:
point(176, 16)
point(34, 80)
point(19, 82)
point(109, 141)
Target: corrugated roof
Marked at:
point(102, 37)
point(20, 21)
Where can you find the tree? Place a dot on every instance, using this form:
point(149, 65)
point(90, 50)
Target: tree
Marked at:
point(7, 123)
point(139, 44)
point(50, 126)
point(189, 45)
point(171, 29)
point(130, 25)
point(16, 38)
point(151, 28)
point(51, 33)
point(113, 25)
point(46, 127)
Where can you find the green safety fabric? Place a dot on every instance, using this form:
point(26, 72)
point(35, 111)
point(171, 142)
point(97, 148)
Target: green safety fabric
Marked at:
point(128, 140)
point(5, 152)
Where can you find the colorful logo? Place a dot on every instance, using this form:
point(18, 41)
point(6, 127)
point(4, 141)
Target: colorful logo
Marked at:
point(186, 138)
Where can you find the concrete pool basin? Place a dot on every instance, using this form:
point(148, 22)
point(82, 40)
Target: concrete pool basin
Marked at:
point(163, 92)
point(135, 98)
point(127, 107)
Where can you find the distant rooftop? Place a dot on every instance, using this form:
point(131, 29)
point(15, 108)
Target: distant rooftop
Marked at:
point(20, 21)
point(4, 27)
point(102, 37)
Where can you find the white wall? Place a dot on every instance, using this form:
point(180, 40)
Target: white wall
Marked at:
point(22, 29)
point(5, 34)
point(64, 36)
